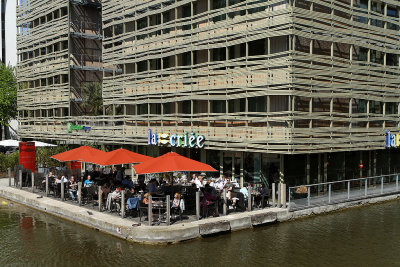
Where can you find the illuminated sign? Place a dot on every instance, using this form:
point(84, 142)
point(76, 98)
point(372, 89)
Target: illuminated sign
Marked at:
point(73, 127)
point(392, 140)
point(175, 140)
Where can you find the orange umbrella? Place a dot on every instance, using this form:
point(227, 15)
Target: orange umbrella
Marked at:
point(83, 154)
point(171, 162)
point(121, 156)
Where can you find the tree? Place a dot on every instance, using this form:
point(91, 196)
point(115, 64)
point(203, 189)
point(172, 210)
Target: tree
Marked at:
point(8, 96)
point(93, 98)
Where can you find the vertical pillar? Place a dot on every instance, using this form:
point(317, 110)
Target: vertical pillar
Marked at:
point(9, 176)
point(329, 193)
point(325, 170)
point(397, 182)
point(62, 188)
point(80, 193)
point(33, 182)
point(348, 190)
point(150, 211)
point(197, 205)
point(20, 179)
point(241, 169)
point(249, 201)
point(233, 166)
point(221, 163)
point(224, 207)
point(279, 194)
point(273, 195)
point(366, 188)
point(284, 196)
point(382, 184)
point(47, 185)
point(168, 210)
point(308, 169)
point(100, 197)
point(361, 162)
point(319, 172)
point(122, 203)
point(308, 196)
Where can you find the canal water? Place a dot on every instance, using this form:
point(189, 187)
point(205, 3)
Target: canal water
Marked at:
point(367, 236)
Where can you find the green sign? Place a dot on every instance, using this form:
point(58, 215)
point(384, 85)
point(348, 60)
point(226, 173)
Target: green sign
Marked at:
point(73, 127)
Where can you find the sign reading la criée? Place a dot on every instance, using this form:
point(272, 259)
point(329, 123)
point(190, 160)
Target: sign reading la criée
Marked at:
point(392, 140)
point(175, 140)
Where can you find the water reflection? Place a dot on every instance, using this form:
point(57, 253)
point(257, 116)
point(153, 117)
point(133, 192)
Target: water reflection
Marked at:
point(362, 236)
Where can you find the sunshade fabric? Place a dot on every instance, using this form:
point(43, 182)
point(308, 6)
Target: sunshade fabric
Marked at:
point(171, 162)
point(83, 154)
point(121, 156)
point(15, 143)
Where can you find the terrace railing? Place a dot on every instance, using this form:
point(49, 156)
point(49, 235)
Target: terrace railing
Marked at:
point(322, 194)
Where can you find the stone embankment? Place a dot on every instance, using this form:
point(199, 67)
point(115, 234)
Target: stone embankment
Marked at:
point(180, 231)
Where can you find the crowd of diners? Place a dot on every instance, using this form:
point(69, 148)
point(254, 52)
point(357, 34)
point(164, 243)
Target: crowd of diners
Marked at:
point(181, 189)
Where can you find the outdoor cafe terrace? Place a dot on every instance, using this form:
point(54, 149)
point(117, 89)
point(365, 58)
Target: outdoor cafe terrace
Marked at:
point(161, 193)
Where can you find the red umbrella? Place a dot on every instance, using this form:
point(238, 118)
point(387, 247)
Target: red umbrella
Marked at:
point(121, 156)
point(171, 162)
point(83, 154)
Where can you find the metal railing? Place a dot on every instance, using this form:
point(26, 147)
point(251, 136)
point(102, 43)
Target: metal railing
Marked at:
point(322, 194)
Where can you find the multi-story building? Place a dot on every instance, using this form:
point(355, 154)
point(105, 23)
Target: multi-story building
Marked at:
point(310, 87)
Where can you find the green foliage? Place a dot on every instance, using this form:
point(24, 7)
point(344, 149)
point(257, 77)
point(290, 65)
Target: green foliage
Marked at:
point(43, 155)
point(8, 161)
point(93, 98)
point(8, 94)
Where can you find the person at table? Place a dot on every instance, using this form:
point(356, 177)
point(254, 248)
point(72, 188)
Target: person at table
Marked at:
point(95, 173)
point(120, 176)
point(153, 187)
point(61, 178)
point(88, 182)
point(146, 199)
point(244, 191)
point(113, 196)
point(73, 188)
point(229, 188)
point(127, 182)
point(208, 198)
point(50, 177)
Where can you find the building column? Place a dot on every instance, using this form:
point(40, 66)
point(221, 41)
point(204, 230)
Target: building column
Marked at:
point(241, 169)
point(308, 168)
point(221, 163)
point(325, 170)
point(203, 155)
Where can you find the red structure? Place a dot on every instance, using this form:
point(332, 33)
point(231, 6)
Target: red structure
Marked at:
point(27, 155)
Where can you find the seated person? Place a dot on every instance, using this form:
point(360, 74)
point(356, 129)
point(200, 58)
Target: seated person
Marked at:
point(126, 182)
point(244, 191)
point(146, 198)
point(208, 198)
point(113, 196)
point(263, 190)
point(88, 182)
point(229, 188)
point(73, 186)
point(176, 201)
point(105, 190)
point(153, 187)
point(129, 193)
point(50, 176)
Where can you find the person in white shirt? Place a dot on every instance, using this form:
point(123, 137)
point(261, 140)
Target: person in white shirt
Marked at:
point(220, 184)
point(199, 182)
point(212, 183)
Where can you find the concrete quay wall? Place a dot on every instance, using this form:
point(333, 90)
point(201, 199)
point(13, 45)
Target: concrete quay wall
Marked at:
point(177, 232)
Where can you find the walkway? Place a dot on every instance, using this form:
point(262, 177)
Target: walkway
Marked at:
point(341, 196)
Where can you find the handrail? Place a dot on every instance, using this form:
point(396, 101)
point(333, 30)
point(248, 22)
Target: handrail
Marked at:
point(342, 181)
